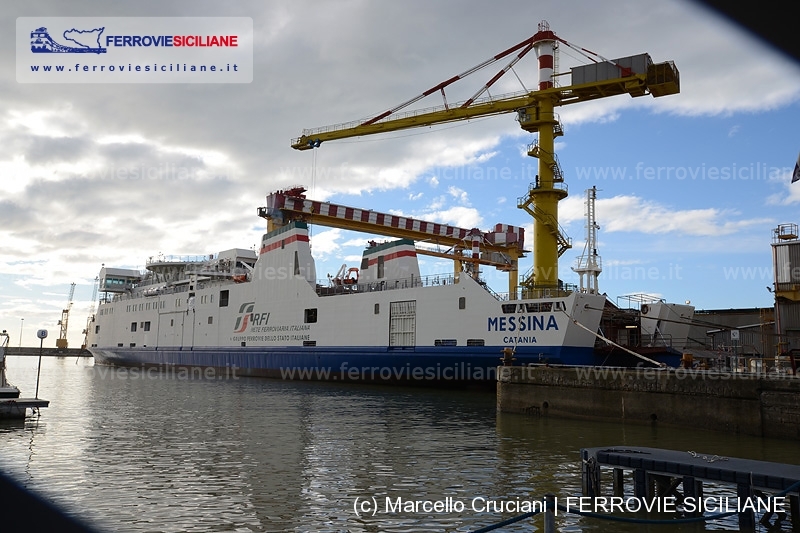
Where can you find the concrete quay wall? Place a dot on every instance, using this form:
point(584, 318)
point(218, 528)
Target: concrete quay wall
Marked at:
point(765, 405)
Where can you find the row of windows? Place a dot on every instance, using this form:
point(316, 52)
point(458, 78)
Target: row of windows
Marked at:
point(144, 325)
point(454, 342)
point(538, 307)
point(145, 306)
point(205, 299)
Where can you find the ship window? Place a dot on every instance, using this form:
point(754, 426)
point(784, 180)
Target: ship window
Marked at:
point(309, 343)
point(509, 308)
point(475, 342)
point(364, 263)
point(377, 309)
point(546, 307)
point(211, 320)
point(445, 342)
point(380, 267)
point(223, 298)
point(462, 302)
point(296, 264)
point(310, 316)
point(133, 344)
point(133, 326)
point(532, 308)
point(147, 326)
point(171, 322)
point(96, 330)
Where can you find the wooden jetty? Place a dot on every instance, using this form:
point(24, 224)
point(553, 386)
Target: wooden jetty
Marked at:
point(658, 473)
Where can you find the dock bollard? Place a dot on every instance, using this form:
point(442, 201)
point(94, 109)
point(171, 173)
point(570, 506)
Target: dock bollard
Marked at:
point(508, 357)
point(549, 513)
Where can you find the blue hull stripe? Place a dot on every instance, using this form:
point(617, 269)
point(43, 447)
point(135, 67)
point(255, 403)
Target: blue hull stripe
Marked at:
point(350, 363)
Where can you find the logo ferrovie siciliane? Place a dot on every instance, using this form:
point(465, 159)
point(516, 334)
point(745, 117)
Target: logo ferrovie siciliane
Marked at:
point(84, 41)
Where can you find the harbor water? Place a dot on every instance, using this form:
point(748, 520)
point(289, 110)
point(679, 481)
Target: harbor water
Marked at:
point(141, 451)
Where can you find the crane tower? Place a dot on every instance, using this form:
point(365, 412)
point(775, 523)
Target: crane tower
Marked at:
point(61, 341)
point(633, 75)
point(589, 263)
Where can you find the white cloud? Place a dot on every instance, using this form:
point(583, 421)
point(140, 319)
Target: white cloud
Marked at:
point(324, 243)
point(634, 214)
point(459, 194)
point(463, 217)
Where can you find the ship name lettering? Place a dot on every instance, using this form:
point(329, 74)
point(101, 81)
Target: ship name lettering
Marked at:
point(522, 323)
point(519, 340)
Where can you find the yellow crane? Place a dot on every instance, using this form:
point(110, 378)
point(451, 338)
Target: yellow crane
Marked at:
point(61, 341)
point(535, 110)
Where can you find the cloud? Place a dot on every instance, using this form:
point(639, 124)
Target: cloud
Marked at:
point(460, 216)
point(627, 213)
point(789, 196)
point(324, 243)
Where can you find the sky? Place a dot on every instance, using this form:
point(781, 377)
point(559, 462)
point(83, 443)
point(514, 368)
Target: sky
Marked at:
point(690, 186)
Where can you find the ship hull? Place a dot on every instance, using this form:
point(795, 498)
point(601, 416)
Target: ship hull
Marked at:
point(410, 365)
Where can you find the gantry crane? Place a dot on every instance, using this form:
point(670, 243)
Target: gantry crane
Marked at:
point(500, 247)
point(634, 75)
point(61, 341)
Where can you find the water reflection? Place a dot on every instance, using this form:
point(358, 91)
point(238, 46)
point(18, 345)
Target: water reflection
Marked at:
point(159, 453)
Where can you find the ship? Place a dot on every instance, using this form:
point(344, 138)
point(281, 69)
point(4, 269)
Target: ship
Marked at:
point(242, 312)
point(267, 314)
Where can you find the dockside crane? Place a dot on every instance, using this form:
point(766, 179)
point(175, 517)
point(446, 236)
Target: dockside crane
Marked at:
point(61, 341)
point(535, 111)
point(499, 247)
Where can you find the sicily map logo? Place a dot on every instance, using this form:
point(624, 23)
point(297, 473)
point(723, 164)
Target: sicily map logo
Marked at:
point(83, 42)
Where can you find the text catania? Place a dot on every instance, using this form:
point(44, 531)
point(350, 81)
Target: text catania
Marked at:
point(522, 323)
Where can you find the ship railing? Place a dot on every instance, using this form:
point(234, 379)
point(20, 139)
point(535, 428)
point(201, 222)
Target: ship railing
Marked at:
point(330, 289)
point(499, 296)
point(657, 339)
point(160, 259)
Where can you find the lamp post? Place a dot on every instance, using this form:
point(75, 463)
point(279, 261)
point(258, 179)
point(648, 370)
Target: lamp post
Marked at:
point(42, 334)
point(21, 323)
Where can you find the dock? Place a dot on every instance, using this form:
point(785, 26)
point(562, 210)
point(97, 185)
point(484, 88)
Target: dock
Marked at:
point(48, 352)
point(751, 403)
point(683, 475)
point(13, 408)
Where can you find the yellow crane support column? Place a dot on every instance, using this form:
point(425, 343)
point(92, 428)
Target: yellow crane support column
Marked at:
point(542, 200)
point(546, 198)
